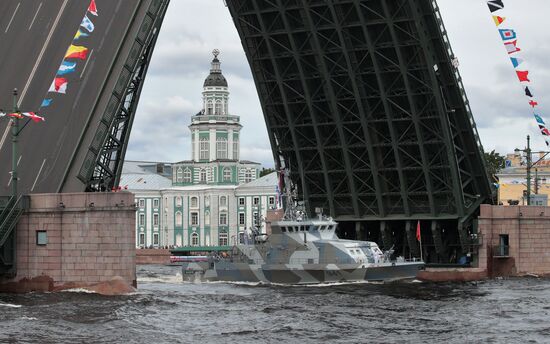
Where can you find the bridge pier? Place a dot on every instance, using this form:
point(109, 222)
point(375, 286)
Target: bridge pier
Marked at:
point(75, 240)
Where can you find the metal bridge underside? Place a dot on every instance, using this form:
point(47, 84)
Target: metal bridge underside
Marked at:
point(362, 101)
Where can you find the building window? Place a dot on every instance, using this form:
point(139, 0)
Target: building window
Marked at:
point(180, 175)
point(223, 201)
point(223, 239)
point(223, 219)
point(241, 201)
point(203, 175)
point(256, 201)
point(142, 203)
point(155, 239)
point(218, 108)
point(271, 201)
point(255, 219)
point(248, 176)
point(156, 203)
point(178, 201)
point(179, 219)
point(155, 220)
point(187, 176)
point(226, 174)
point(142, 219)
point(209, 108)
point(241, 219)
point(221, 148)
point(142, 239)
point(194, 239)
point(194, 219)
point(194, 202)
point(41, 238)
point(204, 147)
point(236, 150)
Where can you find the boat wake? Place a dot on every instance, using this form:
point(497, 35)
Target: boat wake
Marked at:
point(9, 305)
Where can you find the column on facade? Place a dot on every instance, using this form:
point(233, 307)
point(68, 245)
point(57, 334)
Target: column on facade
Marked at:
point(196, 142)
point(230, 143)
point(213, 151)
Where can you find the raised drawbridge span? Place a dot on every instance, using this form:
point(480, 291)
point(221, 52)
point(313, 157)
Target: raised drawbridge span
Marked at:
point(363, 101)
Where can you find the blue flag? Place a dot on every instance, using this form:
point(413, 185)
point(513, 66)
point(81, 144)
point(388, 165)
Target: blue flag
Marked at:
point(87, 24)
point(507, 34)
point(516, 61)
point(46, 102)
point(66, 68)
point(539, 119)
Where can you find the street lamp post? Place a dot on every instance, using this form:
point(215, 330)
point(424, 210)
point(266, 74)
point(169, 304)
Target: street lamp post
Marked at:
point(14, 137)
point(529, 165)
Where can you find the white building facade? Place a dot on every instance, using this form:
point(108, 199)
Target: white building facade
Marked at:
point(210, 200)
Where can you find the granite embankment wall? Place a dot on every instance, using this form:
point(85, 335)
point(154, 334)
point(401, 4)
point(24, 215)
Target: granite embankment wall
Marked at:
point(90, 243)
point(152, 256)
point(515, 241)
point(527, 229)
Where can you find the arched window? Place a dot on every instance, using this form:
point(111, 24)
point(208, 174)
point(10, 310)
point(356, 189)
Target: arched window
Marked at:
point(179, 219)
point(204, 148)
point(178, 201)
point(180, 175)
point(218, 107)
point(194, 239)
point(203, 175)
point(221, 148)
point(223, 219)
point(187, 175)
point(209, 108)
point(194, 202)
point(222, 241)
point(223, 201)
point(226, 174)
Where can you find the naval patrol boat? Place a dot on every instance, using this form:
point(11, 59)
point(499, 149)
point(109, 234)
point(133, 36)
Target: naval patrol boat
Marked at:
point(299, 250)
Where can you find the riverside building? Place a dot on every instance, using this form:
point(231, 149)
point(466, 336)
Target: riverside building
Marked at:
point(210, 200)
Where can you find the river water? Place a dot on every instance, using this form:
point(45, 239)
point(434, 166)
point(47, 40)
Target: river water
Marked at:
point(165, 310)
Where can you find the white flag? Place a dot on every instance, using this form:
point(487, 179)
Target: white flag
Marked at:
point(87, 24)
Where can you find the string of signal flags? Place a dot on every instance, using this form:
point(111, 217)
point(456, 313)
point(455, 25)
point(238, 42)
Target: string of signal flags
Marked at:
point(510, 40)
point(74, 53)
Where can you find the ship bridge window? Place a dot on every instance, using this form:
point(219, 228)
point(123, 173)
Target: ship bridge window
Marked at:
point(283, 229)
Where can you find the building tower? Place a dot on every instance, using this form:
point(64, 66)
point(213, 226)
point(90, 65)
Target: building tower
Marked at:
point(215, 138)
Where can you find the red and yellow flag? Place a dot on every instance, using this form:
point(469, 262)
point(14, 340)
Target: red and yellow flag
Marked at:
point(76, 52)
point(499, 20)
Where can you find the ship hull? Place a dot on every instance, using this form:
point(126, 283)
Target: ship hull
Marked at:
point(299, 274)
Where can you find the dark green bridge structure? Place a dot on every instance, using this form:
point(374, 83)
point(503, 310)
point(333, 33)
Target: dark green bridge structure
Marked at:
point(361, 99)
point(363, 102)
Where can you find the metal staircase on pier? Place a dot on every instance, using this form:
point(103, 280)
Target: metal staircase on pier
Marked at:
point(11, 211)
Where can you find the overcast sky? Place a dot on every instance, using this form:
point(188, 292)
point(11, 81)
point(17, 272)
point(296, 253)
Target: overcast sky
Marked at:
point(193, 28)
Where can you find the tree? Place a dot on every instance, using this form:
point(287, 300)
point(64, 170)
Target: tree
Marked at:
point(494, 163)
point(266, 171)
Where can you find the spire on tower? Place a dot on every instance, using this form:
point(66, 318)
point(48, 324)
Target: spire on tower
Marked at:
point(215, 62)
